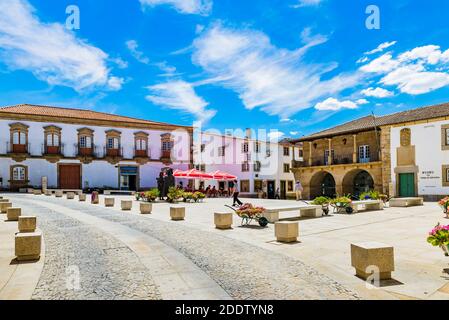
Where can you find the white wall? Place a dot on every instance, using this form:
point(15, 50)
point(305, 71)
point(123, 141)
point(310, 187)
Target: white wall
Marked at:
point(429, 157)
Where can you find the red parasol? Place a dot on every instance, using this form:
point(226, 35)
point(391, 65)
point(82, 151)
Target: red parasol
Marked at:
point(220, 175)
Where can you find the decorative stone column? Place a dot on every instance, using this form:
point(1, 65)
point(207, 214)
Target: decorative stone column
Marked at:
point(354, 154)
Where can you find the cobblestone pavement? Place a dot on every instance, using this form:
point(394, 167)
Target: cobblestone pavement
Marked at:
point(243, 270)
point(107, 269)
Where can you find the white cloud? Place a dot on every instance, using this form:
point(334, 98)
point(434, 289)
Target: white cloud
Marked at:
point(383, 64)
point(377, 93)
point(417, 71)
point(332, 104)
point(362, 101)
point(294, 133)
point(115, 83)
point(201, 7)
point(363, 60)
point(180, 95)
point(275, 80)
point(133, 48)
point(51, 52)
point(307, 3)
point(275, 136)
point(381, 47)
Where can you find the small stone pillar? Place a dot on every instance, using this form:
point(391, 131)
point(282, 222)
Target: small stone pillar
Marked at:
point(223, 220)
point(82, 197)
point(4, 206)
point(13, 214)
point(371, 257)
point(58, 193)
point(28, 246)
point(146, 208)
point(177, 213)
point(27, 224)
point(70, 195)
point(109, 202)
point(126, 205)
point(286, 231)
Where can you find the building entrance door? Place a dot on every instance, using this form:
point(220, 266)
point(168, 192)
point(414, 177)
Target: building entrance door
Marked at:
point(69, 176)
point(128, 178)
point(271, 189)
point(283, 194)
point(407, 185)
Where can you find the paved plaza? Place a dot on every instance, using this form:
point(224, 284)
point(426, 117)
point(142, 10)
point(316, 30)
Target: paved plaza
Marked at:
point(94, 252)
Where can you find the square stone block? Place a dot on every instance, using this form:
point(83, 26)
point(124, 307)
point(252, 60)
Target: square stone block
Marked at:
point(13, 214)
point(58, 193)
point(37, 192)
point(27, 224)
point(28, 246)
point(369, 256)
point(70, 195)
point(311, 212)
point(126, 205)
point(286, 231)
point(177, 213)
point(146, 208)
point(82, 197)
point(48, 193)
point(223, 220)
point(109, 202)
point(4, 200)
point(4, 206)
point(271, 216)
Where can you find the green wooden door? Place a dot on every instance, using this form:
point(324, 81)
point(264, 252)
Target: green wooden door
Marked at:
point(407, 185)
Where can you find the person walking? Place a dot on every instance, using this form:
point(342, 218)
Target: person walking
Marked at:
point(236, 195)
point(277, 195)
point(298, 190)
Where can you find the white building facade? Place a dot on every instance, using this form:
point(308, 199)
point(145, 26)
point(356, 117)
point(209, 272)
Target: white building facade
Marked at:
point(78, 149)
point(420, 158)
point(262, 168)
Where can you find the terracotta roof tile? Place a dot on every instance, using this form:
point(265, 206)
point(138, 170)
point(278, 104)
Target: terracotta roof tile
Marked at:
point(58, 112)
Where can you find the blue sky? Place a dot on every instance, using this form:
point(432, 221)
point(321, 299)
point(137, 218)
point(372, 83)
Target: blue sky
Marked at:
point(298, 66)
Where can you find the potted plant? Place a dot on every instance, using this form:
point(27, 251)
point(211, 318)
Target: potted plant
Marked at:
point(174, 194)
point(444, 204)
point(323, 202)
point(151, 195)
point(439, 237)
point(198, 196)
point(188, 196)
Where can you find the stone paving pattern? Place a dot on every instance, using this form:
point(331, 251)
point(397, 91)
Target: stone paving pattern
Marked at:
point(243, 270)
point(108, 269)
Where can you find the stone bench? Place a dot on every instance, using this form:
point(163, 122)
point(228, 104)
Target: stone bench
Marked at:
point(70, 195)
point(4, 206)
point(27, 224)
point(110, 202)
point(367, 205)
point(59, 193)
point(223, 220)
point(146, 208)
point(126, 205)
point(82, 197)
point(28, 246)
point(119, 192)
point(369, 257)
point(313, 211)
point(286, 231)
point(13, 214)
point(406, 202)
point(177, 213)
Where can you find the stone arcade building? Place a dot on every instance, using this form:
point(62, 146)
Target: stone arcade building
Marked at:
point(402, 154)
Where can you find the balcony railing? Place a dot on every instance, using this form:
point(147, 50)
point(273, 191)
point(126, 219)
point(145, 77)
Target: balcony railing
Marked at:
point(113, 152)
point(337, 159)
point(52, 150)
point(82, 151)
point(17, 148)
point(141, 153)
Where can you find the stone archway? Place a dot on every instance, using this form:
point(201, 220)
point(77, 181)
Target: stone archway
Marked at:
point(357, 181)
point(322, 184)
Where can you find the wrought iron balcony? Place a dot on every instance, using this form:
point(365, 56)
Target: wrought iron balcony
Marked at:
point(52, 150)
point(17, 148)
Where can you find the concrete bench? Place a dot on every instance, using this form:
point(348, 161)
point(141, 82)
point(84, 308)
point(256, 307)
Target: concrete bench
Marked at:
point(13, 214)
point(28, 246)
point(177, 213)
point(119, 192)
point(126, 205)
point(406, 202)
point(27, 224)
point(223, 220)
point(146, 208)
point(272, 214)
point(367, 205)
point(369, 257)
point(110, 202)
point(286, 231)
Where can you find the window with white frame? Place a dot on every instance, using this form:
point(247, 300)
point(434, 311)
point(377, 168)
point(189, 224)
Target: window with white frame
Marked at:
point(18, 137)
point(167, 145)
point(245, 147)
point(18, 173)
point(286, 151)
point(141, 144)
point(257, 166)
point(53, 140)
point(85, 142)
point(222, 151)
point(257, 147)
point(245, 167)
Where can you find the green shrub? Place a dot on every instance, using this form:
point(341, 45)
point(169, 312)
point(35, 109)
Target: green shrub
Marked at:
point(319, 201)
point(344, 199)
point(174, 194)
